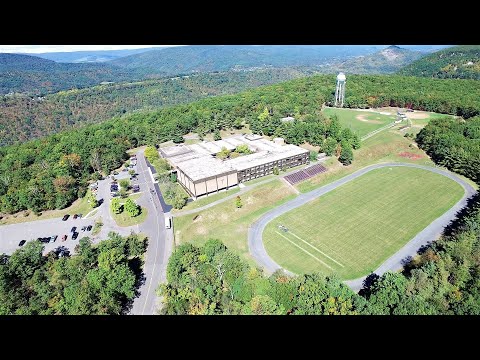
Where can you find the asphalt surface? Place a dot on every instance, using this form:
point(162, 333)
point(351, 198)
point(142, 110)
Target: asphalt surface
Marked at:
point(160, 243)
point(394, 263)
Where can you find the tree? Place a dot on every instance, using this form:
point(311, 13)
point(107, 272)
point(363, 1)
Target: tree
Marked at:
point(243, 149)
point(346, 154)
point(124, 184)
point(123, 193)
point(223, 154)
point(173, 177)
point(313, 156)
point(180, 199)
point(355, 142)
point(275, 170)
point(329, 146)
point(151, 153)
point(264, 115)
point(238, 202)
point(92, 200)
point(131, 208)
point(131, 172)
point(115, 206)
point(217, 136)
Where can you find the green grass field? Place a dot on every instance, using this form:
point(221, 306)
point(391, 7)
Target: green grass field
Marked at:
point(229, 224)
point(207, 200)
point(123, 219)
point(360, 122)
point(355, 228)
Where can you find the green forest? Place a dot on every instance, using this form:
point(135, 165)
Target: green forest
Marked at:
point(443, 279)
point(454, 144)
point(457, 62)
point(99, 280)
point(36, 76)
point(24, 117)
point(51, 172)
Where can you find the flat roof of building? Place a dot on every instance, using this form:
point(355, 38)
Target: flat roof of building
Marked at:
point(204, 167)
point(197, 161)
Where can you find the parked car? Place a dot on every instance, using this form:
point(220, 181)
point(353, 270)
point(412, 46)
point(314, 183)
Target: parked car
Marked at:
point(64, 237)
point(53, 238)
point(84, 228)
point(21, 243)
point(65, 217)
point(115, 173)
point(75, 235)
point(73, 229)
point(89, 227)
point(80, 216)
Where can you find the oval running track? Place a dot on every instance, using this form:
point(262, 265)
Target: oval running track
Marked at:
point(394, 263)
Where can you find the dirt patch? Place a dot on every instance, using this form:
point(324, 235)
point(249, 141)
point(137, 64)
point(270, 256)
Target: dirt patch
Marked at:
point(417, 115)
point(362, 118)
point(410, 155)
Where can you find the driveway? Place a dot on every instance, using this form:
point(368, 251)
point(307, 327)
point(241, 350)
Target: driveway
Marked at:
point(394, 263)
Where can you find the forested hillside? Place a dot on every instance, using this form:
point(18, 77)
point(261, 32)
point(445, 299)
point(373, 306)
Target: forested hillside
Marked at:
point(207, 58)
point(386, 61)
point(454, 144)
point(37, 76)
point(52, 172)
point(99, 280)
point(459, 62)
point(26, 117)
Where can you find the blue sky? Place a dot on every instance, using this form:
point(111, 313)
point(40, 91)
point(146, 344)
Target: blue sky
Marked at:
point(60, 48)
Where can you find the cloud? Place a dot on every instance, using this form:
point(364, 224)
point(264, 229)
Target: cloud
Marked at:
point(35, 49)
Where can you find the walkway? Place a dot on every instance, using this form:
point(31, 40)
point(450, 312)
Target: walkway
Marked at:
point(394, 263)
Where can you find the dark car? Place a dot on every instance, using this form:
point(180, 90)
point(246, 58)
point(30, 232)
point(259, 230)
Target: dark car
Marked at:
point(75, 216)
point(75, 235)
point(64, 237)
point(65, 217)
point(21, 243)
point(73, 229)
point(89, 227)
point(45, 240)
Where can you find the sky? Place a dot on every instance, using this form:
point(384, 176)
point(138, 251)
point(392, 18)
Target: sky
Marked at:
point(36, 49)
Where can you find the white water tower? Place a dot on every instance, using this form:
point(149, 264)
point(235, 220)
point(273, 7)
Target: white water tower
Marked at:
point(340, 90)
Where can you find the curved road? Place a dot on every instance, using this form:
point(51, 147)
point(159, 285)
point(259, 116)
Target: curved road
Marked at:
point(394, 263)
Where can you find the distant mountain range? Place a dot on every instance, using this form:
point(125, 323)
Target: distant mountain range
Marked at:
point(92, 56)
point(461, 62)
point(34, 75)
point(386, 61)
point(200, 58)
point(37, 75)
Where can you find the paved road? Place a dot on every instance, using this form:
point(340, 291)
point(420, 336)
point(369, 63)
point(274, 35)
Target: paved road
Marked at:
point(430, 233)
point(160, 244)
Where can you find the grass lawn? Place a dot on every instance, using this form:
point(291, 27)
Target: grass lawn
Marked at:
point(135, 196)
point(254, 181)
point(355, 228)
point(208, 199)
point(360, 122)
point(123, 219)
point(229, 224)
point(80, 206)
point(387, 146)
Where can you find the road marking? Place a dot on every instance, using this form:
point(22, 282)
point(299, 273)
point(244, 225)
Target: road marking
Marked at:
point(320, 251)
point(290, 241)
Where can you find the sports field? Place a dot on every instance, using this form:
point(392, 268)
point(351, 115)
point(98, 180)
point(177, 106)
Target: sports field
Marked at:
point(353, 229)
point(360, 122)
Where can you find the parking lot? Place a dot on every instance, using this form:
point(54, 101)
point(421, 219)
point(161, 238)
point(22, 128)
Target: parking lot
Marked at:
point(11, 235)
